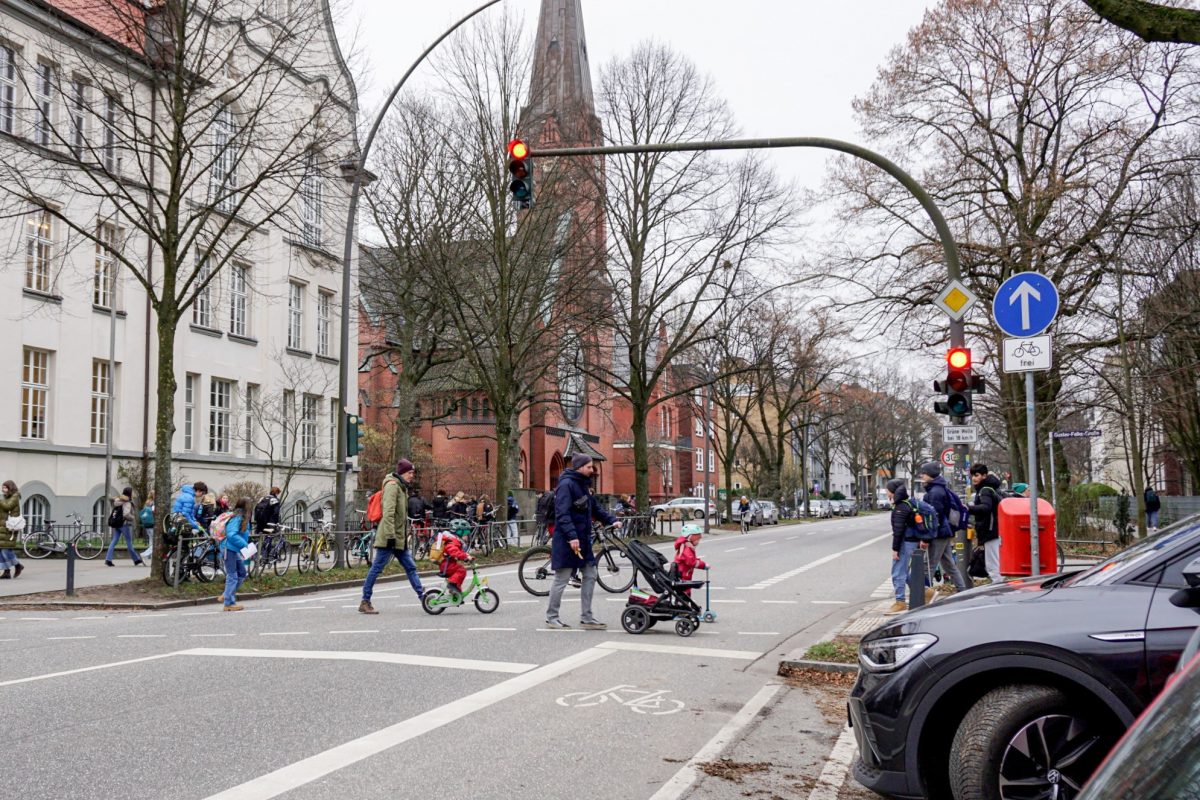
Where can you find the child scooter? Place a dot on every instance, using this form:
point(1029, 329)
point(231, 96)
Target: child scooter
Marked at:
point(709, 614)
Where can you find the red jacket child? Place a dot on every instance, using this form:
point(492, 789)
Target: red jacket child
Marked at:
point(685, 556)
point(453, 554)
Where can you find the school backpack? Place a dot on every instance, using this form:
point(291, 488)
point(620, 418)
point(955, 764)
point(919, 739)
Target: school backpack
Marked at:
point(217, 529)
point(978, 566)
point(924, 520)
point(958, 512)
point(438, 550)
point(260, 511)
point(116, 517)
point(146, 517)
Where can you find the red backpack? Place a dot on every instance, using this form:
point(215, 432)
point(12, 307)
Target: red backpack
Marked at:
point(375, 505)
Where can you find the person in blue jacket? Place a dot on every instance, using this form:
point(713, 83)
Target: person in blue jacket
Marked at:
point(937, 494)
point(185, 503)
point(237, 536)
point(571, 548)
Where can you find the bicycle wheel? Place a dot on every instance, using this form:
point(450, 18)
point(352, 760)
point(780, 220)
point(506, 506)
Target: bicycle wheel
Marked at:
point(281, 559)
point(535, 573)
point(304, 555)
point(90, 544)
point(487, 601)
point(209, 566)
point(420, 550)
point(433, 602)
point(614, 571)
point(324, 557)
point(38, 545)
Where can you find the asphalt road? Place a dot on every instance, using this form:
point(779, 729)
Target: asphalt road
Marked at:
point(306, 698)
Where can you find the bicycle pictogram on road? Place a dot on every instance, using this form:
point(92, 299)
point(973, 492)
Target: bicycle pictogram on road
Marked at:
point(642, 701)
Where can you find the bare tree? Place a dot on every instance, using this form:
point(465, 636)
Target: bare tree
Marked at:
point(187, 134)
point(1153, 22)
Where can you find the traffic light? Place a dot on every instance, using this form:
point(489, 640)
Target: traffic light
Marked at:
point(958, 384)
point(355, 435)
point(520, 167)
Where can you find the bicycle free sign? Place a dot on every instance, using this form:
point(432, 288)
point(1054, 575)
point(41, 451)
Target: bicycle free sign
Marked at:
point(641, 701)
point(1027, 355)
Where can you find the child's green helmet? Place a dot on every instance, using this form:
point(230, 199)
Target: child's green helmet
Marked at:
point(459, 524)
point(692, 528)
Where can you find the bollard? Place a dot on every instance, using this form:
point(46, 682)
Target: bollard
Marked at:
point(70, 569)
point(916, 579)
point(967, 548)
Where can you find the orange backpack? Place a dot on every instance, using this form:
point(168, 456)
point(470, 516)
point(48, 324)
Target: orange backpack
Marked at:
point(375, 506)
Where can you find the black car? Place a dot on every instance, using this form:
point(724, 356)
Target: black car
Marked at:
point(1018, 691)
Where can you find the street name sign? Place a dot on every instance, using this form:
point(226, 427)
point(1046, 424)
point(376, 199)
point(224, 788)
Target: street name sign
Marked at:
point(960, 434)
point(1025, 304)
point(955, 300)
point(1027, 355)
point(1090, 433)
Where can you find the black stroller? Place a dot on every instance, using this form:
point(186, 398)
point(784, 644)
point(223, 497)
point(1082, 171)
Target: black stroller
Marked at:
point(669, 601)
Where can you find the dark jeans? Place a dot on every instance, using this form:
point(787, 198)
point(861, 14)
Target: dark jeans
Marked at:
point(124, 532)
point(383, 555)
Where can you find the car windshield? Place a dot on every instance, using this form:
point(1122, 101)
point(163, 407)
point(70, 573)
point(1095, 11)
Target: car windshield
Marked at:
point(1129, 559)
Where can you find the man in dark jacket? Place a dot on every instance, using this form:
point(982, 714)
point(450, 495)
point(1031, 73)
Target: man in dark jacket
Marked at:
point(904, 541)
point(571, 548)
point(441, 507)
point(267, 511)
point(1153, 506)
point(937, 494)
point(987, 499)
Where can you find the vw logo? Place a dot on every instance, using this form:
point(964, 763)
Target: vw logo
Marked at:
point(1054, 776)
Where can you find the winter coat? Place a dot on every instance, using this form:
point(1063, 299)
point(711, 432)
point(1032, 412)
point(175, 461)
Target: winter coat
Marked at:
point(267, 512)
point(416, 508)
point(574, 510)
point(127, 511)
point(453, 554)
point(937, 494)
point(458, 510)
point(395, 512)
point(206, 513)
point(902, 522)
point(514, 510)
point(236, 534)
point(9, 507)
point(441, 507)
point(686, 558)
point(185, 504)
point(987, 500)
point(1151, 499)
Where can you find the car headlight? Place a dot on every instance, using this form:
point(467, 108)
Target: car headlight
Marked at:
point(883, 655)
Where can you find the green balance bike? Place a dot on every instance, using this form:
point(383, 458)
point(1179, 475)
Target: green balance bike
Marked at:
point(435, 601)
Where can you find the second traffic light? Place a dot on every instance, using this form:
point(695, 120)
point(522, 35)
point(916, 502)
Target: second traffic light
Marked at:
point(520, 167)
point(959, 385)
point(355, 437)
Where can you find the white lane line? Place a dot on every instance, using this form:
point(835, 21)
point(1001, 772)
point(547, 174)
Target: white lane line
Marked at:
point(424, 630)
point(517, 591)
point(833, 775)
point(211, 635)
point(352, 606)
point(142, 636)
point(797, 536)
point(407, 659)
point(147, 616)
point(689, 772)
point(66, 638)
point(9, 640)
point(307, 608)
point(812, 533)
point(256, 610)
point(734, 550)
point(750, 588)
point(637, 647)
point(83, 669)
point(562, 630)
point(101, 616)
point(362, 631)
point(310, 769)
point(785, 602)
point(758, 633)
point(727, 601)
point(517, 602)
point(831, 602)
point(769, 582)
point(764, 544)
point(285, 633)
point(38, 619)
point(491, 629)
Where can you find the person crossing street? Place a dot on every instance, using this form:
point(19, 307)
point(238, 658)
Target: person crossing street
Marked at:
point(391, 539)
point(571, 548)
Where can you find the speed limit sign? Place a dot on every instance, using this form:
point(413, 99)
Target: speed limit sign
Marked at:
point(949, 457)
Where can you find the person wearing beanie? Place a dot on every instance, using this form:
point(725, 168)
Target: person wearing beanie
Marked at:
point(571, 548)
point(939, 495)
point(1022, 489)
point(391, 538)
point(124, 502)
point(904, 541)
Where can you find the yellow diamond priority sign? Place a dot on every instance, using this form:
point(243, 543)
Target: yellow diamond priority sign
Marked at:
point(955, 300)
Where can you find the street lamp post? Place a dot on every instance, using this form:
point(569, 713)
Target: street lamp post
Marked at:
point(355, 171)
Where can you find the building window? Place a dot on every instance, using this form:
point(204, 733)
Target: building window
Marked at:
point(298, 519)
point(668, 473)
point(712, 461)
point(43, 100)
point(100, 514)
point(8, 88)
point(289, 401)
point(310, 200)
point(101, 378)
point(699, 429)
point(77, 105)
point(36, 510)
point(202, 307)
point(35, 394)
point(324, 322)
point(699, 460)
point(108, 150)
point(189, 413)
point(104, 281)
point(308, 427)
point(250, 399)
point(220, 415)
point(295, 338)
point(222, 187)
point(39, 242)
point(239, 300)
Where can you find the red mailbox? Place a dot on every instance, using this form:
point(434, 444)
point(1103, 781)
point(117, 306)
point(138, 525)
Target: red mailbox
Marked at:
point(1012, 518)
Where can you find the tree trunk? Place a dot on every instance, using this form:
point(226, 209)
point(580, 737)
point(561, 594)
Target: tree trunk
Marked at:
point(507, 435)
point(164, 432)
point(405, 414)
point(641, 457)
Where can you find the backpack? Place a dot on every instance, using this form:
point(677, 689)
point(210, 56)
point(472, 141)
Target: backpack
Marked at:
point(375, 505)
point(924, 520)
point(438, 550)
point(217, 529)
point(958, 512)
point(260, 511)
point(978, 566)
point(146, 517)
point(116, 517)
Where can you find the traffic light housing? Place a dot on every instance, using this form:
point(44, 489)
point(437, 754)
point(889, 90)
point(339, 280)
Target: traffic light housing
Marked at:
point(520, 168)
point(355, 435)
point(959, 384)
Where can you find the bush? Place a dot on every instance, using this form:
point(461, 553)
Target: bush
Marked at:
point(837, 496)
point(1093, 491)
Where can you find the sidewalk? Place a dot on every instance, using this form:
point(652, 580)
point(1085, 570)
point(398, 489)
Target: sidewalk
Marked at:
point(50, 574)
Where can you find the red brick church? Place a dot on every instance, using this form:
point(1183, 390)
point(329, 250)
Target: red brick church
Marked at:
point(586, 417)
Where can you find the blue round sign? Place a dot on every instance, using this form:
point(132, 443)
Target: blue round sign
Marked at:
point(1025, 305)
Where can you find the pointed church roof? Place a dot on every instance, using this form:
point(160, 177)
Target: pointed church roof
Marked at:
point(561, 83)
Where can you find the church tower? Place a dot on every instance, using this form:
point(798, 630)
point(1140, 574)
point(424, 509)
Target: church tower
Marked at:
point(561, 110)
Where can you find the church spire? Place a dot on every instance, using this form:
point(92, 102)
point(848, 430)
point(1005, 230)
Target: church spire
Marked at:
point(561, 84)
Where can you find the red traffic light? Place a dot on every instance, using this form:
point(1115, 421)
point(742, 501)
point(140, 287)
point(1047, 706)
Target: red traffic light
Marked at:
point(518, 149)
point(959, 358)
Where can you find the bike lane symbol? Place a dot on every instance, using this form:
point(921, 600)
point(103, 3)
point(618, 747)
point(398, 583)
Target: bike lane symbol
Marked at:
point(641, 701)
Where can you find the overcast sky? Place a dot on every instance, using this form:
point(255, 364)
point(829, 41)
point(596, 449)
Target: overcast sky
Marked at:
point(787, 67)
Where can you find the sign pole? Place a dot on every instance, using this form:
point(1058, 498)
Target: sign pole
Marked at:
point(1053, 480)
point(1031, 443)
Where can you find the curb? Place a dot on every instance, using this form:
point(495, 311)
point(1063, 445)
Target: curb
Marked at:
point(820, 666)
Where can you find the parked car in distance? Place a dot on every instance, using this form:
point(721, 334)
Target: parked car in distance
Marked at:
point(685, 507)
point(819, 507)
point(849, 508)
point(770, 512)
point(951, 697)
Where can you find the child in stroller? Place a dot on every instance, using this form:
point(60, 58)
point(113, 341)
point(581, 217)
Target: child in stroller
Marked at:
point(670, 600)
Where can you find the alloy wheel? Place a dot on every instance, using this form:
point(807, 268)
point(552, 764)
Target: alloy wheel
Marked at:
point(1050, 758)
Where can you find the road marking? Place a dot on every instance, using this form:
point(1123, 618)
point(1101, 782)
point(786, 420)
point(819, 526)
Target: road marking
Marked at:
point(750, 588)
point(727, 601)
point(256, 610)
point(307, 608)
point(769, 582)
point(689, 772)
point(142, 636)
point(83, 669)
point(39, 619)
point(671, 649)
point(516, 602)
point(200, 613)
point(424, 630)
point(147, 616)
point(491, 629)
point(831, 602)
point(352, 606)
point(517, 591)
point(764, 544)
point(101, 616)
point(562, 630)
point(406, 659)
point(66, 638)
point(374, 631)
point(314, 767)
point(793, 537)
point(734, 550)
point(9, 640)
point(833, 775)
point(758, 633)
point(786, 602)
point(211, 635)
point(285, 633)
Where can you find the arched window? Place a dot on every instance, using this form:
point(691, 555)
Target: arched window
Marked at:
point(299, 517)
point(100, 514)
point(36, 510)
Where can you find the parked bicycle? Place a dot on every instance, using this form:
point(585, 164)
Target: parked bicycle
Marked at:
point(315, 552)
point(614, 571)
point(87, 543)
point(190, 553)
point(273, 551)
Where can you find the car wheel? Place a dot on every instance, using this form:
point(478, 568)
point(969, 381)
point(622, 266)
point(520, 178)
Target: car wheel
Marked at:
point(1026, 741)
point(698, 514)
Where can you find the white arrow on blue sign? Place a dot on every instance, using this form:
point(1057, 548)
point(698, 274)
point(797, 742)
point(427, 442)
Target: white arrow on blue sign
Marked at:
point(1025, 305)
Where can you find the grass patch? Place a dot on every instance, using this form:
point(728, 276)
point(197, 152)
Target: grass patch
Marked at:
point(842, 650)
